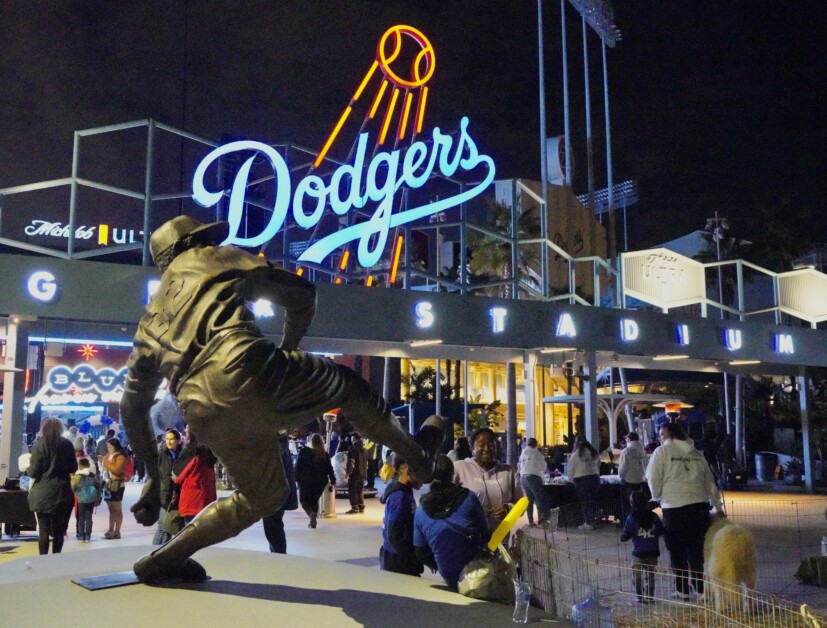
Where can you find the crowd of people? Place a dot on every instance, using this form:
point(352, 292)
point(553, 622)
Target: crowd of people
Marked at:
point(471, 493)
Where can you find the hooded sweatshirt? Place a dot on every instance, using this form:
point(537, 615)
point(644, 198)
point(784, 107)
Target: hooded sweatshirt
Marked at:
point(398, 523)
point(632, 468)
point(679, 475)
point(450, 528)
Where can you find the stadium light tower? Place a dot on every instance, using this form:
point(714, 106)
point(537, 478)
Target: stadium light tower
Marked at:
point(600, 15)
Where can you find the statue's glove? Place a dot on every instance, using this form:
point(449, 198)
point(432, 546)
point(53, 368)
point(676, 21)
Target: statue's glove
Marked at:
point(148, 507)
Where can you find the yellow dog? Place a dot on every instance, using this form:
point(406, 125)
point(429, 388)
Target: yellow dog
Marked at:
point(729, 564)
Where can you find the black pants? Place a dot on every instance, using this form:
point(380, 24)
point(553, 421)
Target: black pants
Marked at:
point(685, 530)
point(274, 532)
point(52, 525)
point(356, 491)
point(388, 561)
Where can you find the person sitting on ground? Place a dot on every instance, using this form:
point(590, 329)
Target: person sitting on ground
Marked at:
point(397, 553)
point(450, 526)
point(644, 528)
point(495, 484)
point(313, 471)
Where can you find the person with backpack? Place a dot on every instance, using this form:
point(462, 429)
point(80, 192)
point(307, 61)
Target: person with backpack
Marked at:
point(87, 490)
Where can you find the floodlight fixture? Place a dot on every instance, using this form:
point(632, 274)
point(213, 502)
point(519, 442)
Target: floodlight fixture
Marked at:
point(599, 14)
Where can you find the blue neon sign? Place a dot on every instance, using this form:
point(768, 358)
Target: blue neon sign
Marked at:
point(384, 175)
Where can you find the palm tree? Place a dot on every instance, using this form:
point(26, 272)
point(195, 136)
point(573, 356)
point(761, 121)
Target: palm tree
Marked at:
point(491, 257)
point(783, 234)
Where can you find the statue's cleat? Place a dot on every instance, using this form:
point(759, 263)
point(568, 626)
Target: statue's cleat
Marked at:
point(149, 569)
point(430, 437)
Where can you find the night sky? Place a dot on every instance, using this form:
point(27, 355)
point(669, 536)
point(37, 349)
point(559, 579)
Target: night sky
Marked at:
point(714, 105)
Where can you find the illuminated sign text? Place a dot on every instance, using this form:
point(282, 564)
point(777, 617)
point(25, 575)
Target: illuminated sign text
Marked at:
point(732, 339)
point(351, 186)
point(42, 286)
point(629, 329)
point(497, 319)
point(424, 314)
point(565, 326)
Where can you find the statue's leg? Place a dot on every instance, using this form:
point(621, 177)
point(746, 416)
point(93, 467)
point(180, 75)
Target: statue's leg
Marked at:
point(368, 411)
point(255, 465)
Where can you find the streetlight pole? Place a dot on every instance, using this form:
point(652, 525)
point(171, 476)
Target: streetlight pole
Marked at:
point(716, 226)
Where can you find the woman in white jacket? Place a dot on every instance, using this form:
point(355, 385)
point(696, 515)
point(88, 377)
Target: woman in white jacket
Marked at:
point(680, 479)
point(584, 471)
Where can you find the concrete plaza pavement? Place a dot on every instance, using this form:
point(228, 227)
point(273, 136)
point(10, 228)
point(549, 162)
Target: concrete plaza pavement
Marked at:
point(330, 577)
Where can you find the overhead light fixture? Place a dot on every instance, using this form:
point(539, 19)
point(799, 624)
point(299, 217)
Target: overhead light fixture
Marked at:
point(425, 343)
point(557, 350)
point(665, 358)
point(673, 405)
point(743, 362)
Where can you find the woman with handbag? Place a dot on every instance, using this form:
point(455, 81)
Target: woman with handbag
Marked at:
point(51, 498)
point(114, 462)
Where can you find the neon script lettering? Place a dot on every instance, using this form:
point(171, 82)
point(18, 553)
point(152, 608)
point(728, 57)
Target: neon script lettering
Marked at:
point(351, 186)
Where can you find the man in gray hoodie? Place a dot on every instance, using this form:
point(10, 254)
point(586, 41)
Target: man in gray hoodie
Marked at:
point(632, 470)
point(680, 479)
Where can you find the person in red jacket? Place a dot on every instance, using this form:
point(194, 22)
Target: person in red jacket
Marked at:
point(197, 481)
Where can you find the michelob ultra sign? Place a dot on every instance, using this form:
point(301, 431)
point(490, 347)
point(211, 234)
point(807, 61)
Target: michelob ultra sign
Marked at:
point(393, 153)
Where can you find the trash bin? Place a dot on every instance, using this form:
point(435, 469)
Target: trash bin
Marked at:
point(327, 503)
point(765, 465)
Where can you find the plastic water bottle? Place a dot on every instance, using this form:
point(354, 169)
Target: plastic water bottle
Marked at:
point(824, 545)
point(591, 613)
point(522, 600)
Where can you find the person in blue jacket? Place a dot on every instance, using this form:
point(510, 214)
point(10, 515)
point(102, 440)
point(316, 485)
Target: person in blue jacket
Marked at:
point(644, 528)
point(450, 526)
point(397, 551)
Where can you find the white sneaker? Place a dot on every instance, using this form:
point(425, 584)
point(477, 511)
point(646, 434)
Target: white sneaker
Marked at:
point(585, 526)
point(683, 597)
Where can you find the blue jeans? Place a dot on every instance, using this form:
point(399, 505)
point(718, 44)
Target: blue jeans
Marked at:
point(587, 488)
point(161, 535)
point(535, 491)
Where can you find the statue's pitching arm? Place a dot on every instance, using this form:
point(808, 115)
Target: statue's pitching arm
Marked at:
point(142, 382)
point(296, 295)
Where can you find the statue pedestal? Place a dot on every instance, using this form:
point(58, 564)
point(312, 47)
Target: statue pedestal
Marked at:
point(251, 587)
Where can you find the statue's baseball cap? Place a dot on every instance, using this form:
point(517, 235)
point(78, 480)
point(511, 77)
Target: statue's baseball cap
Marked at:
point(180, 227)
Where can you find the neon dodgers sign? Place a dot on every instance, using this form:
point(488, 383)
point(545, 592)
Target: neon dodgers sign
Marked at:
point(354, 184)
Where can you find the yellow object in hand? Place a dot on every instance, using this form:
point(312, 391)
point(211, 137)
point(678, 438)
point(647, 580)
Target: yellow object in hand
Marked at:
point(505, 527)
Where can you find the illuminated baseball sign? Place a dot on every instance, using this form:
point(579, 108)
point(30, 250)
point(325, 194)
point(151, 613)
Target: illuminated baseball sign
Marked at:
point(371, 178)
